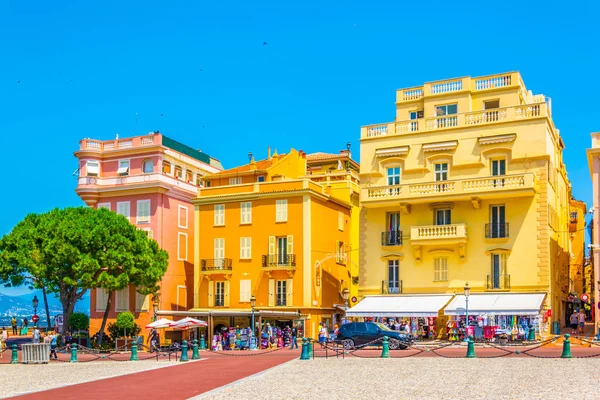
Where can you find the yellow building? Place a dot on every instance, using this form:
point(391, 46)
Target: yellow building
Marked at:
point(280, 230)
point(575, 289)
point(467, 184)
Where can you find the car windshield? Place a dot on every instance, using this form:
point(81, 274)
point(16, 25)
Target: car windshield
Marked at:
point(382, 327)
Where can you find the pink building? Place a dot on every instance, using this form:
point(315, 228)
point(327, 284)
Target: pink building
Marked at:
point(151, 180)
point(594, 165)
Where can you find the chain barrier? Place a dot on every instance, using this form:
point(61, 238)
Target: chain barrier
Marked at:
point(246, 353)
point(337, 350)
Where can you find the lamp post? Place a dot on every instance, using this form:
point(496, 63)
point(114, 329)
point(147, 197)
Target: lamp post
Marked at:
point(35, 304)
point(155, 299)
point(467, 290)
point(253, 337)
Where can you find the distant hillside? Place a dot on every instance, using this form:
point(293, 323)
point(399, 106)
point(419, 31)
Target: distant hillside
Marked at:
point(21, 307)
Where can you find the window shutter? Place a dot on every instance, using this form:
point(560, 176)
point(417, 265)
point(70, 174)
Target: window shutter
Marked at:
point(226, 293)
point(122, 300)
point(123, 208)
point(141, 302)
point(101, 299)
point(211, 293)
point(340, 221)
point(271, 245)
point(290, 292)
point(271, 292)
point(338, 256)
point(290, 244)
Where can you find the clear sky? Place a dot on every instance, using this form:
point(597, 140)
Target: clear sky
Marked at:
point(236, 77)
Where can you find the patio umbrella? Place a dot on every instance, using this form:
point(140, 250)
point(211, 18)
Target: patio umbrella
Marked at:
point(160, 323)
point(188, 322)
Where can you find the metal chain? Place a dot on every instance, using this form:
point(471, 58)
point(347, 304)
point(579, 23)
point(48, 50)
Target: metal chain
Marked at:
point(251, 353)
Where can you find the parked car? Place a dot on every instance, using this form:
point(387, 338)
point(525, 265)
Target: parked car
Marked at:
point(356, 334)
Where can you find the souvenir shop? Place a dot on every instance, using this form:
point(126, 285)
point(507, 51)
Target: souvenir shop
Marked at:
point(421, 328)
point(502, 316)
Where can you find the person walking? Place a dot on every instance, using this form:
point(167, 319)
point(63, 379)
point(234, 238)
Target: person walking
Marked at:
point(13, 322)
point(53, 341)
point(294, 337)
point(3, 339)
point(323, 334)
point(581, 321)
point(574, 319)
point(36, 335)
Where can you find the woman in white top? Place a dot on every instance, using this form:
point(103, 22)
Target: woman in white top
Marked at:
point(581, 321)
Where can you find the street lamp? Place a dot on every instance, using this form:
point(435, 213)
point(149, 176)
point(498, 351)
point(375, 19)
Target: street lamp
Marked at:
point(467, 290)
point(35, 303)
point(155, 299)
point(253, 337)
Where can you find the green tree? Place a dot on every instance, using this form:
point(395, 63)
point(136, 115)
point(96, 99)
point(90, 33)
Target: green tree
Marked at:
point(79, 321)
point(68, 251)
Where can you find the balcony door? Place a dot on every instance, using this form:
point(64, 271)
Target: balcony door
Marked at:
point(497, 221)
point(443, 216)
point(220, 294)
point(393, 283)
point(219, 253)
point(498, 169)
point(282, 245)
point(498, 271)
point(393, 228)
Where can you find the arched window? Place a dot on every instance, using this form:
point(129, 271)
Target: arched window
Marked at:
point(166, 167)
point(148, 167)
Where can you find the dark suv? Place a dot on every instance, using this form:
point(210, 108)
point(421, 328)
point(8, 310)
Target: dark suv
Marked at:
point(356, 334)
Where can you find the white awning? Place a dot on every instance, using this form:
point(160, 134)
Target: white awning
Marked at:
point(440, 146)
point(497, 139)
point(93, 168)
point(123, 170)
point(400, 306)
point(393, 151)
point(497, 303)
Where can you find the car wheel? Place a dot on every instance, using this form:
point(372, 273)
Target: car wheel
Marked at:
point(393, 344)
point(348, 344)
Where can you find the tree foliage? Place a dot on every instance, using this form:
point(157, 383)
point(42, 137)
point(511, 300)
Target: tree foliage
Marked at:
point(124, 326)
point(79, 321)
point(71, 250)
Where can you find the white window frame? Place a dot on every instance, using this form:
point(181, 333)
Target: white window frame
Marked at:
point(245, 290)
point(142, 219)
point(103, 205)
point(393, 175)
point(101, 299)
point(245, 248)
point(341, 221)
point(144, 166)
point(393, 278)
point(235, 180)
point(219, 218)
point(149, 233)
point(177, 297)
point(438, 174)
point(179, 217)
point(246, 212)
point(87, 167)
point(281, 295)
point(127, 168)
point(118, 294)
point(221, 292)
point(281, 210)
point(179, 235)
point(440, 269)
point(260, 178)
point(119, 203)
point(443, 109)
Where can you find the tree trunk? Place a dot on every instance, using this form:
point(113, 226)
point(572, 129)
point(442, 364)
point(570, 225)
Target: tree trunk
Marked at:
point(47, 309)
point(105, 317)
point(68, 303)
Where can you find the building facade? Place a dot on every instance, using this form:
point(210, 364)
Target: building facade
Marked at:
point(466, 185)
point(577, 260)
point(281, 232)
point(151, 180)
point(593, 155)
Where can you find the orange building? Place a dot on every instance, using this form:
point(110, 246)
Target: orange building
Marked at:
point(278, 230)
point(151, 180)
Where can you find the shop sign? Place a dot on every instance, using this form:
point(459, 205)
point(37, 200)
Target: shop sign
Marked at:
point(571, 298)
point(549, 313)
point(242, 322)
point(585, 297)
point(354, 299)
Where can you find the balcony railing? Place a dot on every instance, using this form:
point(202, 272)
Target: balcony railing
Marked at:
point(391, 287)
point(278, 260)
point(391, 238)
point(438, 232)
point(280, 303)
point(498, 282)
point(219, 301)
point(496, 231)
point(216, 264)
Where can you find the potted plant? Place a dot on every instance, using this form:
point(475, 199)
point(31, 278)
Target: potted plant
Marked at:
point(79, 325)
point(123, 330)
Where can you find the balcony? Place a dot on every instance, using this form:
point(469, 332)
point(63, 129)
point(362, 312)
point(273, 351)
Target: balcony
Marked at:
point(280, 302)
point(496, 231)
point(391, 287)
point(438, 234)
point(279, 261)
point(216, 266)
point(391, 238)
point(491, 187)
point(120, 144)
point(455, 121)
point(498, 282)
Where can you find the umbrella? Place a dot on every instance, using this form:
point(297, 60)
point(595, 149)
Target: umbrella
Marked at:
point(188, 322)
point(160, 323)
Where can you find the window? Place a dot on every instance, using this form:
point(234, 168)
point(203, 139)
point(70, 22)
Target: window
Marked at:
point(340, 221)
point(440, 269)
point(393, 176)
point(393, 284)
point(491, 104)
point(148, 167)
point(189, 176)
point(103, 205)
point(443, 216)
point(245, 289)
point(143, 211)
point(123, 208)
point(261, 178)
point(499, 279)
point(219, 215)
point(182, 246)
point(123, 168)
point(498, 228)
point(441, 172)
point(182, 218)
point(149, 233)
point(166, 167)
point(178, 172)
point(181, 298)
point(360, 327)
point(281, 293)
point(220, 294)
point(93, 168)
point(207, 183)
point(219, 253)
point(235, 181)
point(199, 180)
point(447, 109)
point(282, 250)
point(246, 212)
point(246, 247)
point(416, 114)
point(392, 236)
point(122, 300)
point(281, 210)
point(141, 302)
point(101, 299)
point(498, 169)
point(340, 253)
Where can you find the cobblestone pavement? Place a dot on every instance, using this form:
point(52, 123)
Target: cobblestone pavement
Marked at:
point(419, 378)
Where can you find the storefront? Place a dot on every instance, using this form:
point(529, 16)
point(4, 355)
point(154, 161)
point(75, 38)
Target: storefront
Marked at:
point(494, 316)
point(418, 315)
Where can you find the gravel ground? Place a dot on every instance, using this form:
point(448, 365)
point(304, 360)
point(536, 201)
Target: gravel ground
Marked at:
point(20, 379)
point(420, 378)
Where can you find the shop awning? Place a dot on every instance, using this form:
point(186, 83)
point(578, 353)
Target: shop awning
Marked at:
point(400, 306)
point(497, 303)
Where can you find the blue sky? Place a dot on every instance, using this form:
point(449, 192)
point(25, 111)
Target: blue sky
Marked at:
point(74, 69)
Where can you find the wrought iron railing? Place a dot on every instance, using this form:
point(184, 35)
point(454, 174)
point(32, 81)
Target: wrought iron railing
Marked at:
point(501, 281)
point(280, 303)
point(216, 264)
point(279, 260)
point(391, 287)
point(391, 238)
point(496, 231)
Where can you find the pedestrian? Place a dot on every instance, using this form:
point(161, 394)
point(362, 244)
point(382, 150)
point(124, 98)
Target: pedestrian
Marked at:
point(574, 319)
point(13, 322)
point(323, 334)
point(581, 321)
point(36, 335)
point(53, 340)
point(3, 339)
point(294, 337)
